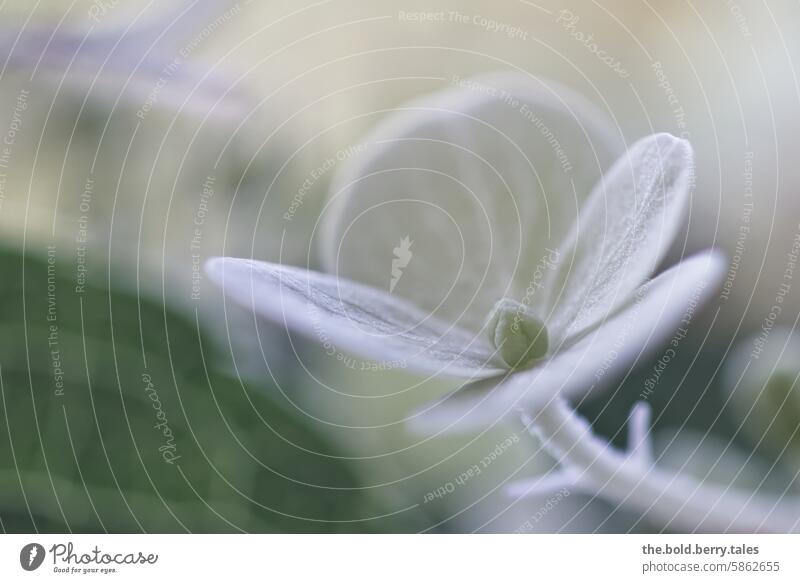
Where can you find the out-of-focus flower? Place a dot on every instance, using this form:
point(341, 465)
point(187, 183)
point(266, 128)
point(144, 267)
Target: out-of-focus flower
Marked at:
point(588, 297)
point(146, 62)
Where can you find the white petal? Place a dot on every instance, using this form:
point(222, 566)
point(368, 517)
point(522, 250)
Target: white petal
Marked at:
point(128, 62)
point(347, 316)
point(622, 233)
point(589, 362)
point(481, 177)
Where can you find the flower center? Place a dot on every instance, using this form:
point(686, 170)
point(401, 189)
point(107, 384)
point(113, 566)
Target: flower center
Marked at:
point(519, 336)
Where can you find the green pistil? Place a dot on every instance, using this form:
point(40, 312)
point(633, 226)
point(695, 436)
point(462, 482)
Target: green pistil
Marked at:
point(520, 337)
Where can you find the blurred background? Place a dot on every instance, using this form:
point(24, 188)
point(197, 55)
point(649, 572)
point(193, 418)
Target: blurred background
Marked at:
point(141, 138)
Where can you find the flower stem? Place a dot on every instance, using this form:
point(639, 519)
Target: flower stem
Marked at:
point(631, 480)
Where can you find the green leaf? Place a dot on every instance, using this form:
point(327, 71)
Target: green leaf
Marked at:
point(116, 417)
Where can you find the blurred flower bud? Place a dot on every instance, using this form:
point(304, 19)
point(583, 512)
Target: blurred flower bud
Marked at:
point(761, 380)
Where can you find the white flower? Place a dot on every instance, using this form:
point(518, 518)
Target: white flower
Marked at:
point(515, 336)
point(561, 308)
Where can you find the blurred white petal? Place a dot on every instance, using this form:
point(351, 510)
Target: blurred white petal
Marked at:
point(582, 366)
point(355, 318)
point(142, 64)
point(622, 233)
point(483, 178)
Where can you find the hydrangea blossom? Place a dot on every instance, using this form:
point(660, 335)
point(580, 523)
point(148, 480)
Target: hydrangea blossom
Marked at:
point(523, 348)
point(550, 295)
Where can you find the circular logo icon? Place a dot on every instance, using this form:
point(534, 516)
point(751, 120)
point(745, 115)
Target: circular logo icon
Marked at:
point(31, 556)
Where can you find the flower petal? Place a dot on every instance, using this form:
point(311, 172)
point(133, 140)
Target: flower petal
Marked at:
point(605, 352)
point(622, 233)
point(344, 315)
point(132, 62)
point(482, 177)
